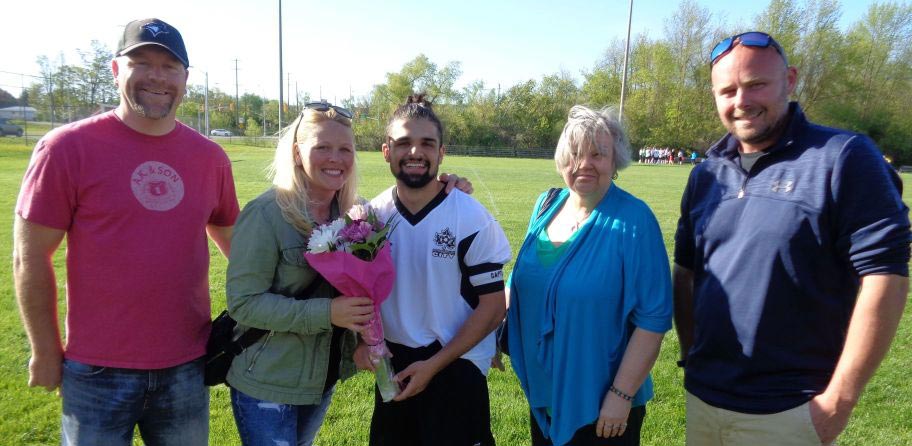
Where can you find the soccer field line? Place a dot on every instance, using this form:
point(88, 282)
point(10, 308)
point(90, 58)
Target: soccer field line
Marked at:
point(496, 211)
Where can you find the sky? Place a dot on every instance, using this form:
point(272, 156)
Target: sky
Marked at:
point(336, 49)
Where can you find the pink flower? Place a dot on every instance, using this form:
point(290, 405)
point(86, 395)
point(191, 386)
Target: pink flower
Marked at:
point(359, 212)
point(356, 232)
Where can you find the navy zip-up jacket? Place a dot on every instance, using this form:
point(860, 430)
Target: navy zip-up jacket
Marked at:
point(777, 255)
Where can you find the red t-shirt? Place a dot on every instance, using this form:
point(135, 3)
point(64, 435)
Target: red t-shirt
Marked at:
point(135, 208)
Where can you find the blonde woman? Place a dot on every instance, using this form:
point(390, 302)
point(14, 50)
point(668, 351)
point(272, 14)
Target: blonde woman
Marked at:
point(281, 386)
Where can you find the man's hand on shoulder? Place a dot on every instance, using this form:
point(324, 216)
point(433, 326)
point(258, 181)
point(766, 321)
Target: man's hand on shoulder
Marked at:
point(454, 181)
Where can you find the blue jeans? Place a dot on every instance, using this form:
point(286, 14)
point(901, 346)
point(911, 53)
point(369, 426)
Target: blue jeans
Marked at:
point(102, 405)
point(265, 423)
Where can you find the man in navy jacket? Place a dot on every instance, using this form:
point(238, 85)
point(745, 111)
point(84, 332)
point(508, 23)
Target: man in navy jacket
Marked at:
point(791, 263)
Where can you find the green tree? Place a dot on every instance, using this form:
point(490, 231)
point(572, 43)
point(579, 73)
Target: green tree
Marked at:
point(6, 99)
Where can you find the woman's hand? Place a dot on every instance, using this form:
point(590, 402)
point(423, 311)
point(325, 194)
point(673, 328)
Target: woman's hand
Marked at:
point(352, 313)
point(362, 357)
point(612, 420)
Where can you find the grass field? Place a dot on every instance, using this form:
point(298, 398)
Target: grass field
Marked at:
point(508, 188)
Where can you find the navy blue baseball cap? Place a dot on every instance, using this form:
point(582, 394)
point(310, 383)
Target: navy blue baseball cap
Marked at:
point(153, 32)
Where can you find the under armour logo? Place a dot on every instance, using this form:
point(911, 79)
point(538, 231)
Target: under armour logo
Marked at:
point(782, 186)
point(155, 28)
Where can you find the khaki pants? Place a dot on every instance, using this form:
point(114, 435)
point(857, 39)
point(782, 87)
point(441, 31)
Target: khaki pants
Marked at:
point(712, 426)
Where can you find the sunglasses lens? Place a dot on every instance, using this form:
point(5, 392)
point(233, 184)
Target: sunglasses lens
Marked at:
point(318, 106)
point(325, 106)
point(755, 39)
point(720, 49)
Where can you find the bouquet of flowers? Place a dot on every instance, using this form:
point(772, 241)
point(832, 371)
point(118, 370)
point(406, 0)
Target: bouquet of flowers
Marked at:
point(352, 253)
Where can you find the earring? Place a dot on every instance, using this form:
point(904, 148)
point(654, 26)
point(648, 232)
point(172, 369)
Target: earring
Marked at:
point(614, 176)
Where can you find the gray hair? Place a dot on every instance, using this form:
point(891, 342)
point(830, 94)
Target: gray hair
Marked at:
point(583, 127)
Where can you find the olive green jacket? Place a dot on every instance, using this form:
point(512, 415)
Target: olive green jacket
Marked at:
point(266, 271)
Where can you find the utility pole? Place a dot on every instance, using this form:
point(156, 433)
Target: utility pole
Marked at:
point(206, 102)
point(50, 88)
point(626, 54)
point(281, 96)
point(22, 107)
point(288, 80)
point(237, 101)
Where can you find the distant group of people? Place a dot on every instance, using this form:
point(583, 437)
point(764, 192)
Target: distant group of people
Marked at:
point(665, 155)
point(781, 321)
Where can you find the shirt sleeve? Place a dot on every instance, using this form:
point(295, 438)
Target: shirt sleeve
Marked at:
point(684, 236)
point(49, 195)
point(483, 255)
point(872, 222)
point(252, 268)
point(647, 276)
point(226, 212)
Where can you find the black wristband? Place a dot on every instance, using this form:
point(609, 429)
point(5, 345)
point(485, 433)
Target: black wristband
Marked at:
point(617, 392)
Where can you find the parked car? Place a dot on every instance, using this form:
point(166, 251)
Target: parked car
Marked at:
point(9, 129)
point(220, 132)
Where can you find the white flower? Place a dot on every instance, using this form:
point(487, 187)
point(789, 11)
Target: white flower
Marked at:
point(336, 225)
point(322, 239)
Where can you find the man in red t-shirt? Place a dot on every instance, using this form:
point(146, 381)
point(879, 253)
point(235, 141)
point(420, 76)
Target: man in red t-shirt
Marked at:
point(135, 193)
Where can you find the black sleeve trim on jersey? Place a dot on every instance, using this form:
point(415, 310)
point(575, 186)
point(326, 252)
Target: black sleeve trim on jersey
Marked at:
point(416, 218)
point(465, 287)
point(483, 268)
point(487, 288)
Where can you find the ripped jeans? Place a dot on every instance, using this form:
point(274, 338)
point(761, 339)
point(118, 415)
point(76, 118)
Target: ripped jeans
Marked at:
point(265, 423)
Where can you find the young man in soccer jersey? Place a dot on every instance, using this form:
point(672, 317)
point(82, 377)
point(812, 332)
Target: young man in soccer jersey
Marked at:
point(448, 298)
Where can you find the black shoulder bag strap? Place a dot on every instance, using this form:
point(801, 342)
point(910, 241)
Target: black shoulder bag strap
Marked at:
point(549, 200)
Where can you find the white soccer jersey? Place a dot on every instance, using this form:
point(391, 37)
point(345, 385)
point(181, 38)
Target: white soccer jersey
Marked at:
point(446, 256)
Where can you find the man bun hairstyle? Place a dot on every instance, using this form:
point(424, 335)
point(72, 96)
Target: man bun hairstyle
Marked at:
point(417, 106)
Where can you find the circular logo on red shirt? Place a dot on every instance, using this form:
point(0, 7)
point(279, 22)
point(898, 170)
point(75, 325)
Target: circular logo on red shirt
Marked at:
point(157, 186)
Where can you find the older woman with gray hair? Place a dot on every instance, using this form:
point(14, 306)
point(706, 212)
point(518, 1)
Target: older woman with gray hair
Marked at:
point(590, 295)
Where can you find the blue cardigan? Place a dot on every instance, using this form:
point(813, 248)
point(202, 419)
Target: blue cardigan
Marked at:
point(569, 323)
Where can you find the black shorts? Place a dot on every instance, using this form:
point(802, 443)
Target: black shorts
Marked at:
point(453, 410)
point(586, 435)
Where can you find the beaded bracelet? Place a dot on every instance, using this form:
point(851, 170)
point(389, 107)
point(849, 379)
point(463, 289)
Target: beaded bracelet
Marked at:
point(617, 392)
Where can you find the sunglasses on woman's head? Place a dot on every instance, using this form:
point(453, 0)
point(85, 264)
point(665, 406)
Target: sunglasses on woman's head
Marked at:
point(323, 106)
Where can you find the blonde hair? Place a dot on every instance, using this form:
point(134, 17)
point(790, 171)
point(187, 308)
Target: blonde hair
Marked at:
point(289, 178)
point(581, 132)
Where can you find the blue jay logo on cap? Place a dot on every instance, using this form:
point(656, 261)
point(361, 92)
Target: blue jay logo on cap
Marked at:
point(155, 29)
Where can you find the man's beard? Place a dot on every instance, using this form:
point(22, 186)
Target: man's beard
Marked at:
point(150, 110)
point(415, 181)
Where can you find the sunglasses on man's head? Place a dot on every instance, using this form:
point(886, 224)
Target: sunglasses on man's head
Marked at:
point(753, 38)
point(323, 106)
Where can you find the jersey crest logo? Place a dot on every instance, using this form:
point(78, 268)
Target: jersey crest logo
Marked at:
point(157, 186)
point(446, 244)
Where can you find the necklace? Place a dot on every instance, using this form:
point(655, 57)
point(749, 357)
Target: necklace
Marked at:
point(579, 222)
